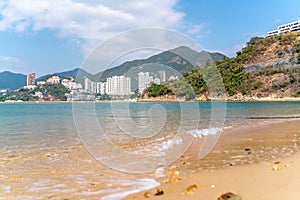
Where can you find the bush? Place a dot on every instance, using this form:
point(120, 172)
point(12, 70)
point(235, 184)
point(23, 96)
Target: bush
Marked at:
point(156, 90)
point(258, 85)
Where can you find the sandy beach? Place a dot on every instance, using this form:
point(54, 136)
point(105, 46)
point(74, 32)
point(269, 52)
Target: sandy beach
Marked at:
point(258, 181)
point(277, 178)
point(256, 159)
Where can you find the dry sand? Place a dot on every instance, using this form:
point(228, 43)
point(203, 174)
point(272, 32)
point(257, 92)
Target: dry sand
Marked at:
point(258, 181)
point(274, 179)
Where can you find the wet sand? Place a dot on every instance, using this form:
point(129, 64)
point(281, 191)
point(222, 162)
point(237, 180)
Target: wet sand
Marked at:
point(258, 162)
point(64, 171)
point(242, 162)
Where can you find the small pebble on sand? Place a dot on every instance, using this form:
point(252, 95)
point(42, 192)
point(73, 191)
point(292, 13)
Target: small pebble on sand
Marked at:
point(147, 194)
point(190, 190)
point(275, 168)
point(229, 196)
point(159, 192)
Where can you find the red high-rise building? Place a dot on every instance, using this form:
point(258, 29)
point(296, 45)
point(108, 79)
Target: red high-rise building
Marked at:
point(31, 79)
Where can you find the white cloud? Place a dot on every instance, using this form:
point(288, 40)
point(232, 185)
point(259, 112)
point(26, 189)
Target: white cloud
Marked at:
point(198, 30)
point(231, 52)
point(88, 22)
point(8, 62)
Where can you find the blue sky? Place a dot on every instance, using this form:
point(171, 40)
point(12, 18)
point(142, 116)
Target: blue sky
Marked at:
point(45, 36)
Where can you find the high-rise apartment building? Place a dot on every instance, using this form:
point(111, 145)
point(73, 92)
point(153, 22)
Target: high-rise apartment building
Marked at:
point(101, 88)
point(89, 86)
point(145, 80)
point(118, 85)
point(162, 75)
point(31, 79)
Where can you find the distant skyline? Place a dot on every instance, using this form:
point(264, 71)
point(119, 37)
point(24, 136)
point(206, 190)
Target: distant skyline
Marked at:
point(50, 36)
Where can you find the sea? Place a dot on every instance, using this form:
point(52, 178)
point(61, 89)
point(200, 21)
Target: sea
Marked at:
point(111, 149)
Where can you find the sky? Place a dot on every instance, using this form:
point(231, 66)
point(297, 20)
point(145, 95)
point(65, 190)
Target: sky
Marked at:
point(45, 36)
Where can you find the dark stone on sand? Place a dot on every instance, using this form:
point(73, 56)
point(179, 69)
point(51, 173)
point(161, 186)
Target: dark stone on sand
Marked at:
point(159, 192)
point(247, 149)
point(229, 196)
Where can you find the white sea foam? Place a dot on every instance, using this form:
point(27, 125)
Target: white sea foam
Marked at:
point(204, 132)
point(140, 185)
point(170, 143)
point(160, 171)
point(159, 154)
point(7, 188)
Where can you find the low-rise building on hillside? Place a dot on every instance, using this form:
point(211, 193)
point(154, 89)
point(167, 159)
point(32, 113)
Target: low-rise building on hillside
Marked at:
point(285, 28)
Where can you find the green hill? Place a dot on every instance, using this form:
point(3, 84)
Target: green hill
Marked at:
point(265, 67)
point(177, 59)
point(9, 80)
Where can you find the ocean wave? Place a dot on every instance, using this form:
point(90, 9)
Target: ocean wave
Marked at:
point(170, 143)
point(137, 186)
point(204, 132)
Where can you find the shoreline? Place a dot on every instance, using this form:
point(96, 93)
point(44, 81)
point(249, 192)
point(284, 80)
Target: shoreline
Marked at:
point(276, 178)
point(267, 99)
point(264, 100)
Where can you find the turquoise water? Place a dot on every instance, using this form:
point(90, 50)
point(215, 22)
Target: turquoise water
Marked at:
point(34, 124)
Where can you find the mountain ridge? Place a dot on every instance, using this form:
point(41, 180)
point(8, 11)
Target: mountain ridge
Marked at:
point(173, 58)
point(168, 58)
point(73, 73)
point(10, 80)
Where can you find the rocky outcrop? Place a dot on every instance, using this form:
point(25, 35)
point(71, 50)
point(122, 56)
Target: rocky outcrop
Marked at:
point(281, 51)
point(164, 98)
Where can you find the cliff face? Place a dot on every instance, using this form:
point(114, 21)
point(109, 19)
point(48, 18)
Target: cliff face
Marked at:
point(277, 85)
point(270, 69)
point(279, 51)
point(272, 66)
